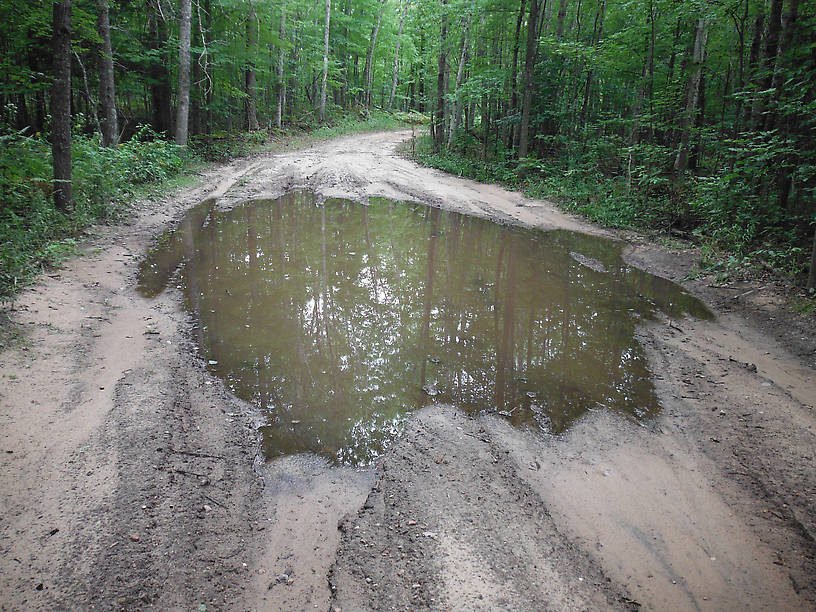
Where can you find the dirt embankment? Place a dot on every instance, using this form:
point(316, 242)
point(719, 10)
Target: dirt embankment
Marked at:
point(131, 479)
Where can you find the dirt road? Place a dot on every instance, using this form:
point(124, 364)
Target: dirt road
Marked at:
point(131, 479)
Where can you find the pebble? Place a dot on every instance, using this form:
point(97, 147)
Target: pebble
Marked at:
point(134, 537)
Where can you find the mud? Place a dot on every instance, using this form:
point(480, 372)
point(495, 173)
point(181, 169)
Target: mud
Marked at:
point(132, 479)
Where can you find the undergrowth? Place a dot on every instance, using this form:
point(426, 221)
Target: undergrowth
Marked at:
point(591, 180)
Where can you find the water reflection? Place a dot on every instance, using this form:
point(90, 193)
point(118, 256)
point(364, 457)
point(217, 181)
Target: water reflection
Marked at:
point(338, 319)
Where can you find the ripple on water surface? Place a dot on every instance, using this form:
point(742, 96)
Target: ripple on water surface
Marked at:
point(337, 319)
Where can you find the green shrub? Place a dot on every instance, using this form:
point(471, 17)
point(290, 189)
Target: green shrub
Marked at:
point(33, 234)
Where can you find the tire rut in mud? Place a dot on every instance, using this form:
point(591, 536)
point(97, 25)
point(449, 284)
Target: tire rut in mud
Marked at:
point(451, 525)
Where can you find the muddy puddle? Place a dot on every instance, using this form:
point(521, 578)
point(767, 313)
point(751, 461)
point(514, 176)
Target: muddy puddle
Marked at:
point(338, 319)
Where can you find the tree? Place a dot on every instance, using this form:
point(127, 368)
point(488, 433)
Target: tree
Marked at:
point(369, 65)
point(281, 63)
point(252, 27)
point(527, 98)
point(325, 62)
point(183, 104)
point(397, 56)
point(61, 106)
point(692, 95)
point(107, 91)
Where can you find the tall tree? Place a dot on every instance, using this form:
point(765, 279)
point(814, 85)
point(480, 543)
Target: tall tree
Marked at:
point(397, 56)
point(183, 102)
point(527, 97)
point(281, 65)
point(325, 62)
point(457, 103)
point(61, 105)
point(442, 67)
point(107, 91)
point(252, 27)
point(692, 95)
point(368, 74)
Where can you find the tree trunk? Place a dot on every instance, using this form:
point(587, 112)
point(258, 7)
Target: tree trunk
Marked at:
point(692, 96)
point(61, 106)
point(597, 36)
point(811, 282)
point(396, 57)
point(368, 74)
point(90, 103)
point(281, 76)
point(107, 92)
point(439, 130)
point(514, 90)
point(744, 115)
point(252, 26)
point(325, 61)
point(183, 108)
point(457, 103)
point(562, 13)
point(527, 98)
point(768, 62)
point(159, 77)
point(777, 84)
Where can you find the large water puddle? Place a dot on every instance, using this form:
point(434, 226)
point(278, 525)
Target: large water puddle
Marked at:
point(338, 319)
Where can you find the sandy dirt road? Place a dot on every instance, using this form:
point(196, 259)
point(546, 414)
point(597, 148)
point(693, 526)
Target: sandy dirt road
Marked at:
point(131, 479)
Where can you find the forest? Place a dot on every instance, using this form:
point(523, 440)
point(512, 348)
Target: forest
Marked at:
point(691, 119)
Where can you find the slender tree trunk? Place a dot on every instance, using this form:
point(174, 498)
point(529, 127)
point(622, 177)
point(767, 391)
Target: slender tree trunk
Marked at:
point(396, 57)
point(281, 76)
point(811, 282)
point(514, 93)
point(368, 74)
point(785, 41)
point(457, 103)
point(107, 91)
point(439, 133)
point(160, 77)
point(183, 108)
point(252, 26)
point(634, 137)
point(692, 95)
point(562, 13)
point(206, 39)
point(61, 106)
point(527, 98)
point(597, 36)
point(744, 115)
point(768, 62)
point(90, 103)
point(325, 61)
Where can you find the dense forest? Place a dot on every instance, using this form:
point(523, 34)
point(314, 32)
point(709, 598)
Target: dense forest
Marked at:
point(695, 118)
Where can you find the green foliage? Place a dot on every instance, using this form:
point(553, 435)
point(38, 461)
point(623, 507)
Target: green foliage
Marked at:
point(33, 235)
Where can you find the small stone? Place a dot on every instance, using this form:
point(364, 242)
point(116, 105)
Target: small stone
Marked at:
point(207, 508)
point(134, 537)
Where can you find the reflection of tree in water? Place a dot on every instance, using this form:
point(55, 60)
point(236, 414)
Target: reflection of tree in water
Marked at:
point(335, 317)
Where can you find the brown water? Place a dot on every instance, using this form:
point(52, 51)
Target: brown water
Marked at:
point(338, 319)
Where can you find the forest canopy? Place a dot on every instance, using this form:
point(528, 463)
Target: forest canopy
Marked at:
point(696, 118)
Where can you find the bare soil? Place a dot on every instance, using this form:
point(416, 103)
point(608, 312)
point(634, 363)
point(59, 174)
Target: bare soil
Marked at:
point(131, 479)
